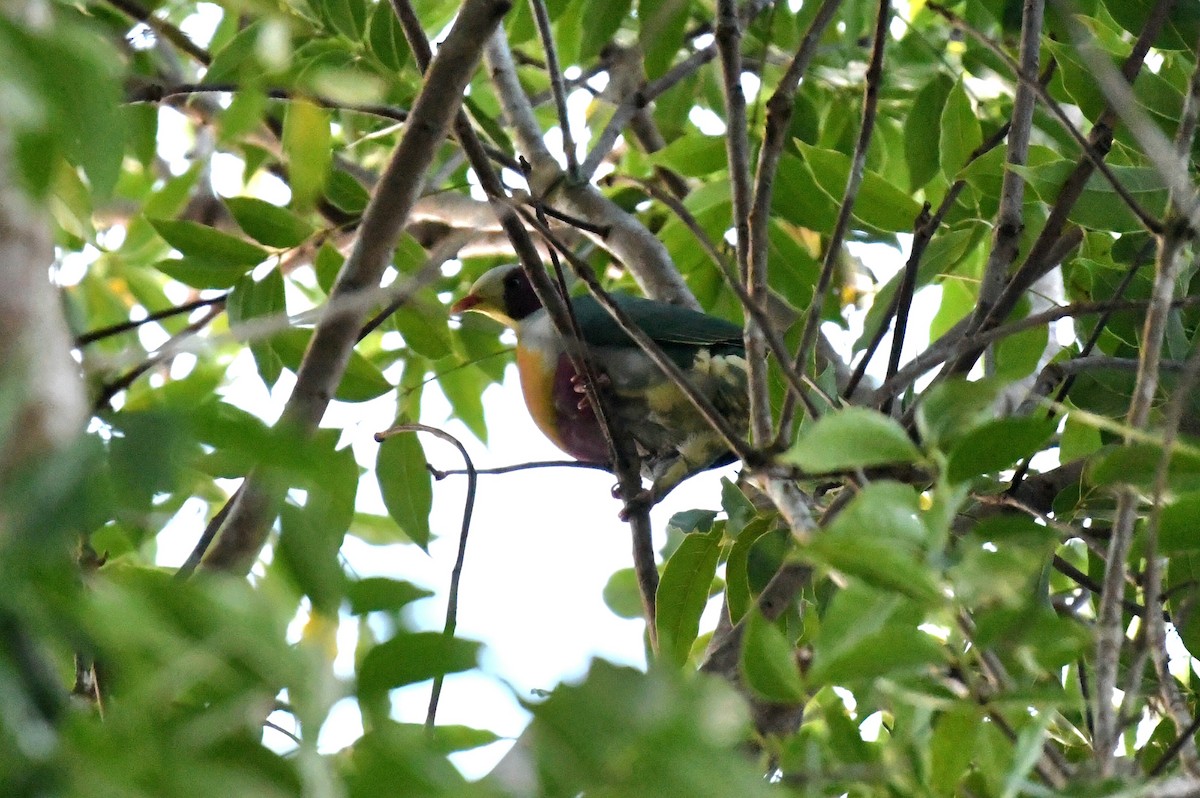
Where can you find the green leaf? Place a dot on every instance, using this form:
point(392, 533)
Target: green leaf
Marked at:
point(141, 122)
point(1135, 464)
point(1017, 356)
point(406, 485)
point(269, 224)
point(738, 592)
point(621, 594)
point(455, 737)
point(309, 548)
point(346, 193)
point(377, 530)
point(202, 244)
point(604, 18)
point(1178, 532)
point(463, 386)
point(626, 733)
point(1179, 32)
point(1183, 575)
point(387, 38)
point(424, 329)
point(250, 300)
point(308, 146)
point(879, 203)
point(860, 623)
point(949, 409)
point(1098, 207)
point(237, 58)
point(412, 657)
point(694, 156)
point(327, 264)
point(683, 592)
point(799, 199)
point(378, 594)
point(347, 17)
point(880, 538)
point(960, 132)
point(922, 130)
point(362, 380)
point(853, 437)
point(996, 445)
point(687, 522)
point(954, 735)
point(661, 36)
point(740, 509)
point(768, 662)
point(1078, 440)
point(400, 759)
point(200, 273)
point(65, 85)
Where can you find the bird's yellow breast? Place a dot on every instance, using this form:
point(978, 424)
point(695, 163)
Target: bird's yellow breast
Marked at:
point(537, 384)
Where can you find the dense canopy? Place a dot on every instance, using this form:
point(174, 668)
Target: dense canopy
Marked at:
point(959, 559)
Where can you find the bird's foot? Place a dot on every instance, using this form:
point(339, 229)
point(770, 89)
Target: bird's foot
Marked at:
point(641, 501)
point(579, 384)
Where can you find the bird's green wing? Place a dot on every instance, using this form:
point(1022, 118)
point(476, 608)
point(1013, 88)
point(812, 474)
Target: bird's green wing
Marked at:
point(679, 331)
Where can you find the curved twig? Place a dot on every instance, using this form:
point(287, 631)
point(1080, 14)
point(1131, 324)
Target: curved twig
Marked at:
point(439, 474)
point(456, 574)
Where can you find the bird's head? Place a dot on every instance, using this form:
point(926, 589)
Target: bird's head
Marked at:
point(504, 293)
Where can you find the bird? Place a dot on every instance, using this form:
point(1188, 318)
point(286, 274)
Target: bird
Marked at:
point(673, 439)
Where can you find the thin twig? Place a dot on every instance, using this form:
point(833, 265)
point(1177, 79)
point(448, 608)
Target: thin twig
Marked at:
point(1174, 701)
point(156, 93)
point(439, 474)
point(456, 574)
point(833, 252)
point(1084, 353)
point(779, 115)
point(935, 355)
point(1157, 148)
point(626, 238)
point(542, 17)
point(1010, 217)
point(800, 382)
point(737, 138)
point(207, 536)
point(737, 150)
point(922, 235)
point(116, 329)
point(1110, 629)
point(167, 350)
point(1053, 242)
point(163, 28)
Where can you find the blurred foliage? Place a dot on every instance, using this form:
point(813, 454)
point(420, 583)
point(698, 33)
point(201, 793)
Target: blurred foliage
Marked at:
point(921, 588)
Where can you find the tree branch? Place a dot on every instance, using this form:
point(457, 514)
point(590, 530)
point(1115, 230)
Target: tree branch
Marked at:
point(626, 239)
point(779, 117)
point(1010, 217)
point(245, 529)
point(833, 251)
point(626, 464)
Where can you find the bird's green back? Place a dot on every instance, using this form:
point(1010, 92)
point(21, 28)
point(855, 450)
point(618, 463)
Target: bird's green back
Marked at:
point(678, 330)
